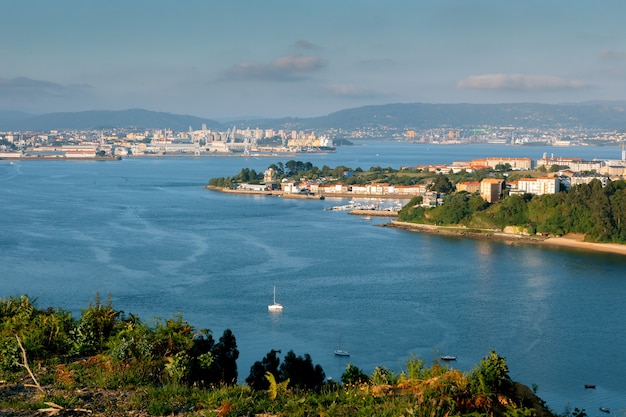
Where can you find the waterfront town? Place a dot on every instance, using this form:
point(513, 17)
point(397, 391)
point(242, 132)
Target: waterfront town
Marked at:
point(558, 173)
point(116, 143)
point(550, 175)
point(234, 141)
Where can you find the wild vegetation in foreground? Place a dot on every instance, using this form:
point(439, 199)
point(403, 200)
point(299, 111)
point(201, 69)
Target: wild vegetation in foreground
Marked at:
point(107, 363)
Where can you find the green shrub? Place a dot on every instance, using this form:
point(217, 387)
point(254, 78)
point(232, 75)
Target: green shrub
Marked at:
point(354, 376)
point(97, 323)
point(9, 355)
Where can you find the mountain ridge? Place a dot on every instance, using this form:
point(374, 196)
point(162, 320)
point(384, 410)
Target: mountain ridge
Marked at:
point(392, 116)
point(101, 119)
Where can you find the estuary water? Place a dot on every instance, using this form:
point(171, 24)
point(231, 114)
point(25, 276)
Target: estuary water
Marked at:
point(145, 231)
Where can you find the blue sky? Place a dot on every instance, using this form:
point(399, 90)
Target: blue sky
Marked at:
point(275, 58)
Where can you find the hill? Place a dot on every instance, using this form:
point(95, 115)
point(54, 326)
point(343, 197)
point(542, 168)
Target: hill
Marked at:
point(100, 119)
point(387, 117)
point(591, 115)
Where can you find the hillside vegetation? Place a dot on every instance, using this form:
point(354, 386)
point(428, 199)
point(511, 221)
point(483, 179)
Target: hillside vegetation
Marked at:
point(109, 363)
point(382, 119)
point(595, 211)
point(298, 170)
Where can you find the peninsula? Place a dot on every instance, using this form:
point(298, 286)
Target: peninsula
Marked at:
point(500, 198)
point(570, 240)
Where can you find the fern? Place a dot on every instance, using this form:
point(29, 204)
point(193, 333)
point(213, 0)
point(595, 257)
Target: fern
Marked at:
point(275, 387)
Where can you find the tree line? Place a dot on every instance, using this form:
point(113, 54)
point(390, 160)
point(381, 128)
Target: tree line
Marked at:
point(351, 176)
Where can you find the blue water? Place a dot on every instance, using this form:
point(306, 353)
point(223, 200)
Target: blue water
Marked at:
point(145, 231)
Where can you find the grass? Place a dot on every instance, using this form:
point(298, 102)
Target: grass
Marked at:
point(172, 369)
point(435, 391)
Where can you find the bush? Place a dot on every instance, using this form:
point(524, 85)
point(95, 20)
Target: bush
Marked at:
point(97, 323)
point(353, 376)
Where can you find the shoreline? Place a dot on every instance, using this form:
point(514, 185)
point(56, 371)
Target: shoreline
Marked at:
point(311, 196)
point(573, 241)
point(62, 158)
point(274, 193)
point(373, 213)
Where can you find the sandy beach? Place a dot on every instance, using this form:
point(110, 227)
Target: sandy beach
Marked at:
point(576, 241)
point(572, 240)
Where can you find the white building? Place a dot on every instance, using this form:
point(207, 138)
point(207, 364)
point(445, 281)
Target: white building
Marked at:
point(539, 186)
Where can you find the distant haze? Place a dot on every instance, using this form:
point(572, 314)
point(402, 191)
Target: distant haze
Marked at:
point(225, 60)
point(384, 118)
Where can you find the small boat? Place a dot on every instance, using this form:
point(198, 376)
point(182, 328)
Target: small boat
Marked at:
point(367, 217)
point(340, 351)
point(590, 386)
point(605, 410)
point(275, 306)
point(447, 358)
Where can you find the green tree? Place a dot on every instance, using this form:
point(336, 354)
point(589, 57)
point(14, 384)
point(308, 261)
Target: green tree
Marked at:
point(257, 379)
point(202, 358)
point(247, 175)
point(224, 369)
point(441, 184)
point(510, 211)
point(454, 210)
point(618, 204)
point(413, 211)
point(354, 376)
point(301, 372)
point(476, 203)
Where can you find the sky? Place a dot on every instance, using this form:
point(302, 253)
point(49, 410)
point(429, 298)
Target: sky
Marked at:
point(230, 59)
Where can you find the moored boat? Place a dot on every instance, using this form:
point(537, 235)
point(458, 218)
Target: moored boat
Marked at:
point(340, 351)
point(275, 306)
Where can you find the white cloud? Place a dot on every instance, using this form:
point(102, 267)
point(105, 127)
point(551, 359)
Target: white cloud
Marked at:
point(518, 82)
point(287, 68)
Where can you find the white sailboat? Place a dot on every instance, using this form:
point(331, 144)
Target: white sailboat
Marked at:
point(340, 351)
point(275, 306)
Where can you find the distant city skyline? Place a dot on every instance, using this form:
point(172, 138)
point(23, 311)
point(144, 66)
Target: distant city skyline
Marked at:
point(278, 58)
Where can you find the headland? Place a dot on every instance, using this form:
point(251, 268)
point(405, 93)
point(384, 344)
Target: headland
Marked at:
point(570, 240)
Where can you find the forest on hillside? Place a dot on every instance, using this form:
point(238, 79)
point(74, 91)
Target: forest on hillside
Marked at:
point(591, 209)
point(597, 212)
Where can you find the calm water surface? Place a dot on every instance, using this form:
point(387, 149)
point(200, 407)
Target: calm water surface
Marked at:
point(145, 231)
